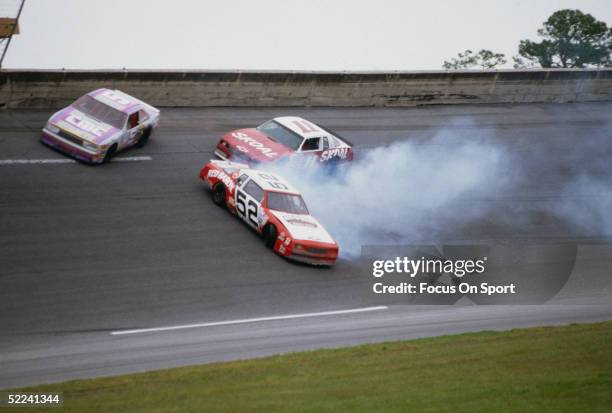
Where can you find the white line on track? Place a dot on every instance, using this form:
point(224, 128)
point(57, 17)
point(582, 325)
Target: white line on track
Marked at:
point(247, 320)
point(61, 161)
point(34, 161)
point(132, 159)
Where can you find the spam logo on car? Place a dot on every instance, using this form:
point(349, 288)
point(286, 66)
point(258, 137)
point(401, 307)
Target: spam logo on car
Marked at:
point(86, 124)
point(328, 154)
point(223, 177)
point(243, 137)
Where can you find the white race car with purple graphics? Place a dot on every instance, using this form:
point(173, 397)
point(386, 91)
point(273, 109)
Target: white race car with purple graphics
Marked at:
point(100, 124)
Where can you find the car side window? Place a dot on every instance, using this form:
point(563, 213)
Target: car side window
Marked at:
point(133, 120)
point(142, 115)
point(241, 179)
point(324, 143)
point(311, 144)
point(254, 190)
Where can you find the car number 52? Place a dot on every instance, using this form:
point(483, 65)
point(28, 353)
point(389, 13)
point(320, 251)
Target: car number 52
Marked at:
point(249, 215)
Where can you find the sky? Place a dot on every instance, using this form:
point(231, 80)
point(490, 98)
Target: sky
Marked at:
point(349, 35)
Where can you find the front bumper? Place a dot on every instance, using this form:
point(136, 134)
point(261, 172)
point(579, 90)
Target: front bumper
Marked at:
point(308, 259)
point(223, 152)
point(313, 253)
point(51, 139)
point(226, 153)
point(219, 154)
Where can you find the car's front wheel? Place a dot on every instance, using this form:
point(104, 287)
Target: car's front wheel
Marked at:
point(110, 153)
point(218, 194)
point(144, 138)
point(269, 235)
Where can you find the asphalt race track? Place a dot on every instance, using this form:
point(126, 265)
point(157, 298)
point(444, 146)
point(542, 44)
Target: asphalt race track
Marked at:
point(90, 251)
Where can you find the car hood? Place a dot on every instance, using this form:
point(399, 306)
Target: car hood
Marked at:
point(303, 227)
point(256, 145)
point(83, 126)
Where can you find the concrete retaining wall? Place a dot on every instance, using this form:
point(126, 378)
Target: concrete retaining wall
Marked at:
point(53, 89)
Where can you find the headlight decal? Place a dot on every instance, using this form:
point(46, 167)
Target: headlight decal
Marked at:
point(51, 127)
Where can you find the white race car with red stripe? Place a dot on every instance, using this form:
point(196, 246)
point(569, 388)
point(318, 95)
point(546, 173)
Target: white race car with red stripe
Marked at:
point(273, 208)
point(282, 137)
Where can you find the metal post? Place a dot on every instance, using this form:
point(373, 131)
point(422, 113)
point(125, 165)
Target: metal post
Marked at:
point(8, 43)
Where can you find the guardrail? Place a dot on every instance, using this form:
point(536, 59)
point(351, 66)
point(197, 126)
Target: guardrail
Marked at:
point(56, 88)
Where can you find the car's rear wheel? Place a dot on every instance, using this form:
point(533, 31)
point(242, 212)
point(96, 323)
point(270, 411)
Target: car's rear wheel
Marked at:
point(218, 194)
point(331, 166)
point(144, 138)
point(269, 235)
point(110, 153)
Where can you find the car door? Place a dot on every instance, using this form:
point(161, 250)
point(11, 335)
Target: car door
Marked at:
point(248, 202)
point(135, 129)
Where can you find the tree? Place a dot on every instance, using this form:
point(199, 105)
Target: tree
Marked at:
point(520, 63)
point(571, 39)
point(486, 59)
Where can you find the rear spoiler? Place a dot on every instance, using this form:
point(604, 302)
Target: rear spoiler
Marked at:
point(331, 132)
point(145, 105)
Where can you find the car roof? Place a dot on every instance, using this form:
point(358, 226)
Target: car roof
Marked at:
point(302, 127)
point(123, 102)
point(266, 181)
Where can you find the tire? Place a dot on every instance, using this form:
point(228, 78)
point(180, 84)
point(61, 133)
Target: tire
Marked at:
point(218, 195)
point(144, 138)
point(269, 235)
point(332, 166)
point(110, 153)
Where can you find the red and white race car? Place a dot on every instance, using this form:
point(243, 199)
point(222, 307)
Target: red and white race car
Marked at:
point(282, 137)
point(272, 207)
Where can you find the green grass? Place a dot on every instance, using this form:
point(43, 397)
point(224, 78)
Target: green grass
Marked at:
point(567, 369)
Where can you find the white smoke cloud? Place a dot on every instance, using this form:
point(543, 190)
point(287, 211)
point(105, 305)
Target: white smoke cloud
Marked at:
point(583, 166)
point(588, 205)
point(406, 192)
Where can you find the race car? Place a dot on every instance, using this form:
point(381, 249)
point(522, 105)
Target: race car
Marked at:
point(273, 208)
point(283, 137)
point(99, 124)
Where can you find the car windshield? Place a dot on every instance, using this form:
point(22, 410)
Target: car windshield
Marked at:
point(291, 203)
point(100, 111)
point(281, 134)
